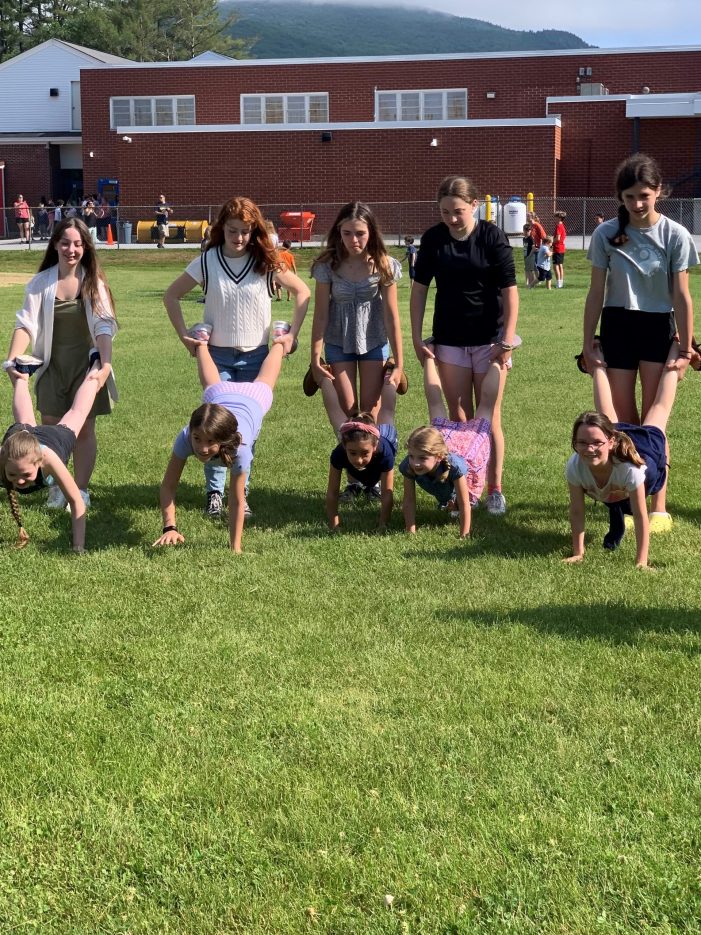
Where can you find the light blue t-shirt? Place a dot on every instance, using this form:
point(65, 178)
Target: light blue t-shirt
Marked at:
point(640, 271)
point(249, 416)
point(442, 490)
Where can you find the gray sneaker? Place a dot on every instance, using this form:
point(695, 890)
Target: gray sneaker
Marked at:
point(215, 504)
point(373, 493)
point(496, 503)
point(351, 493)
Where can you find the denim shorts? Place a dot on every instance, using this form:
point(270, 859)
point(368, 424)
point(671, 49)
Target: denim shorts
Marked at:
point(334, 354)
point(236, 366)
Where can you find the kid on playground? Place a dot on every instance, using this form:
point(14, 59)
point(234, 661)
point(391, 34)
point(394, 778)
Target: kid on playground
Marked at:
point(221, 431)
point(449, 459)
point(366, 451)
point(35, 456)
point(619, 464)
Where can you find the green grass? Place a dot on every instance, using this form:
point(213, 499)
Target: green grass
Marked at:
point(197, 742)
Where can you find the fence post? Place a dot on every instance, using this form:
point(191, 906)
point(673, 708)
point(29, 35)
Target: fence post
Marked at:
point(118, 237)
point(584, 220)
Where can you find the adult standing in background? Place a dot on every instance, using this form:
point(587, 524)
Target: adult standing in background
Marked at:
point(559, 238)
point(22, 213)
point(163, 212)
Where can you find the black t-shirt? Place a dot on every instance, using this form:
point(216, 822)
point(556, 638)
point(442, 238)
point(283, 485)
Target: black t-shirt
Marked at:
point(59, 438)
point(381, 462)
point(469, 275)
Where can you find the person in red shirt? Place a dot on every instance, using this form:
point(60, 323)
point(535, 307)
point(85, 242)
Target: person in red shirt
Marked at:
point(22, 213)
point(559, 249)
point(537, 230)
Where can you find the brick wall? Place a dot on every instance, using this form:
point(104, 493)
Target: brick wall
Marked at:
point(27, 171)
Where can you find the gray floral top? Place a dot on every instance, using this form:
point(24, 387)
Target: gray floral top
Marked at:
point(356, 314)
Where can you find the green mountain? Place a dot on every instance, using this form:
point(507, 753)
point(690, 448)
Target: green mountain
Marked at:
point(312, 30)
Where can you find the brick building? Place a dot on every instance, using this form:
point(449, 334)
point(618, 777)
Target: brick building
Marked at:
point(385, 129)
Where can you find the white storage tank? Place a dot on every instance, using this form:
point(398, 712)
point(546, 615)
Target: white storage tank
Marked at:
point(497, 212)
point(514, 216)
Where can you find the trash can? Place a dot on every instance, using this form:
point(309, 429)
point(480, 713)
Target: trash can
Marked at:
point(125, 233)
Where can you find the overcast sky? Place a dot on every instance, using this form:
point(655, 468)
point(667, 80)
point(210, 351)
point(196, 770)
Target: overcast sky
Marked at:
point(617, 24)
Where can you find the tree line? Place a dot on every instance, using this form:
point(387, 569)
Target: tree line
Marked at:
point(141, 30)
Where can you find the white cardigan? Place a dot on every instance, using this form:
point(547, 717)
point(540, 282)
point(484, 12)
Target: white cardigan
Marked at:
point(37, 318)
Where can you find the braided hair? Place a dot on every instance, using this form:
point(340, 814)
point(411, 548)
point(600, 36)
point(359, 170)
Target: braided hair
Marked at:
point(20, 445)
point(636, 169)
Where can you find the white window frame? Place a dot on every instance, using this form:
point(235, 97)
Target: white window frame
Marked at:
point(422, 92)
point(173, 98)
point(285, 98)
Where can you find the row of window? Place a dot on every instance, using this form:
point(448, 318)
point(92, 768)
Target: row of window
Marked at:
point(262, 109)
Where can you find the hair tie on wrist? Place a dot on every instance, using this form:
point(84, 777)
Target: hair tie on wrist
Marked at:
point(169, 529)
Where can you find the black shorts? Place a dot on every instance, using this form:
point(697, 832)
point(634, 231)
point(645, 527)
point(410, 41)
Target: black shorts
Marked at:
point(558, 259)
point(629, 336)
point(59, 438)
point(544, 275)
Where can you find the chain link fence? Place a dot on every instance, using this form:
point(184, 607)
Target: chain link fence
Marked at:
point(306, 224)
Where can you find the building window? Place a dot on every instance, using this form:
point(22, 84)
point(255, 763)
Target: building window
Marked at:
point(421, 105)
point(152, 111)
point(284, 108)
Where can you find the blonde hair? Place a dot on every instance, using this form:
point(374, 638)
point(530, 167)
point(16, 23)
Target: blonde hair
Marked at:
point(20, 445)
point(430, 441)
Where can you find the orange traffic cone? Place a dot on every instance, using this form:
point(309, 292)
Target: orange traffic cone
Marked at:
point(110, 238)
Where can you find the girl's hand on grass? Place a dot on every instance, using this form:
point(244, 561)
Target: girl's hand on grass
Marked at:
point(643, 566)
point(573, 559)
point(172, 537)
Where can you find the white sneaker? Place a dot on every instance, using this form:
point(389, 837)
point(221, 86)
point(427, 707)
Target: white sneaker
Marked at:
point(86, 499)
point(56, 500)
point(496, 503)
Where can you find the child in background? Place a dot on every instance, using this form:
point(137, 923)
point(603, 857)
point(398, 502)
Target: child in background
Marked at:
point(529, 257)
point(355, 313)
point(34, 456)
point(558, 243)
point(410, 255)
point(449, 459)
point(222, 430)
point(366, 451)
point(619, 464)
point(287, 261)
point(543, 262)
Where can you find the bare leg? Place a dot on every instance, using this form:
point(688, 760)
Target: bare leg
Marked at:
point(22, 408)
point(333, 407)
point(85, 454)
point(388, 403)
point(603, 398)
point(207, 369)
point(490, 392)
point(270, 368)
point(622, 383)
point(371, 380)
point(495, 467)
point(457, 386)
point(433, 391)
point(344, 381)
point(77, 415)
point(658, 413)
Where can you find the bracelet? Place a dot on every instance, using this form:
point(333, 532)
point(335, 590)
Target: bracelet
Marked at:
point(6, 364)
point(506, 347)
point(169, 529)
point(685, 354)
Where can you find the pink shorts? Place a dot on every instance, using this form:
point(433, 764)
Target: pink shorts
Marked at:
point(258, 391)
point(472, 441)
point(475, 357)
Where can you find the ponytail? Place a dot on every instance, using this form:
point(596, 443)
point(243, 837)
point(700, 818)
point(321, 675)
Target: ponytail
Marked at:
point(625, 450)
point(22, 536)
point(620, 237)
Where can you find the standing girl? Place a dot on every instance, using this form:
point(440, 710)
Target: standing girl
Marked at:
point(476, 308)
point(619, 464)
point(22, 213)
point(640, 290)
point(559, 247)
point(355, 312)
point(33, 456)
point(222, 430)
point(449, 458)
point(68, 308)
point(237, 272)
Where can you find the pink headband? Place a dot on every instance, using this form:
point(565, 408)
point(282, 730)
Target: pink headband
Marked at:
point(359, 427)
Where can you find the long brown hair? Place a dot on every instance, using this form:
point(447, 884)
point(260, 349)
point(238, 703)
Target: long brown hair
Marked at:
point(217, 423)
point(457, 186)
point(638, 168)
point(92, 273)
point(623, 449)
point(335, 253)
point(260, 245)
point(428, 440)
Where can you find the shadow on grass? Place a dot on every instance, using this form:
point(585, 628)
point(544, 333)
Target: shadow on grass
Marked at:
point(614, 623)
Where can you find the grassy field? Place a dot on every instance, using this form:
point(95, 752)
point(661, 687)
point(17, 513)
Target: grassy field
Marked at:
point(280, 742)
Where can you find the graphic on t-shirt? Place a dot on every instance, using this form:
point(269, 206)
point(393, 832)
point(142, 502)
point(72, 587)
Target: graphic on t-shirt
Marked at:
point(646, 258)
